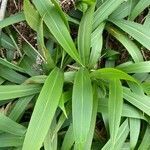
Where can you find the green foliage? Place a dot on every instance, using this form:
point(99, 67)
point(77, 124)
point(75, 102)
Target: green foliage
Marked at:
point(81, 82)
point(82, 104)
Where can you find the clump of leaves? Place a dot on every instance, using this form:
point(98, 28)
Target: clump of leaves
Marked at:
point(72, 92)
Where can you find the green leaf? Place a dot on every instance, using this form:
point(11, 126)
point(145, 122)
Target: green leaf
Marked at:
point(20, 107)
point(82, 104)
point(96, 44)
point(145, 144)
point(45, 107)
point(62, 14)
point(31, 15)
point(142, 102)
point(62, 119)
point(146, 87)
point(141, 5)
point(29, 51)
point(137, 31)
point(2, 80)
point(141, 76)
point(18, 17)
point(8, 140)
point(30, 66)
point(104, 11)
point(9, 126)
point(84, 34)
point(134, 132)
point(111, 73)
point(11, 75)
point(135, 124)
point(15, 91)
point(50, 141)
point(93, 120)
point(147, 21)
point(65, 97)
point(115, 105)
point(6, 63)
point(68, 77)
point(68, 139)
point(57, 27)
point(136, 88)
point(127, 111)
point(36, 79)
point(132, 112)
point(121, 137)
point(44, 51)
point(6, 42)
point(140, 67)
point(14, 42)
point(131, 47)
point(124, 9)
point(73, 20)
point(60, 122)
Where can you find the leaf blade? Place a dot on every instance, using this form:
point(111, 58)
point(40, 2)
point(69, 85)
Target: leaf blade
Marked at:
point(15, 91)
point(82, 103)
point(115, 105)
point(57, 27)
point(84, 34)
point(104, 11)
point(137, 31)
point(48, 98)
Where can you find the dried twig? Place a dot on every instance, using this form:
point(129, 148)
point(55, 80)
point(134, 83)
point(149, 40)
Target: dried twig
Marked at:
point(3, 4)
point(3, 9)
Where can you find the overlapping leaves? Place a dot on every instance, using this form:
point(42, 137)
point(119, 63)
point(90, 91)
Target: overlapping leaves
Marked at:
point(81, 99)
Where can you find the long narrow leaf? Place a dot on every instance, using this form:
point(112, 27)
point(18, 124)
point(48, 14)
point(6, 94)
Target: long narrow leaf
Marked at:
point(96, 44)
point(6, 42)
point(68, 139)
point(45, 108)
point(141, 5)
point(127, 111)
point(11, 75)
point(131, 47)
point(62, 14)
point(20, 107)
point(31, 15)
point(16, 91)
point(111, 73)
point(140, 67)
point(18, 17)
point(137, 31)
point(10, 126)
point(11, 66)
point(115, 105)
point(134, 131)
point(121, 137)
point(145, 144)
point(93, 121)
point(82, 104)
point(147, 21)
point(141, 102)
point(49, 64)
point(105, 10)
point(50, 142)
point(124, 9)
point(8, 140)
point(57, 27)
point(2, 80)
point(84, 34)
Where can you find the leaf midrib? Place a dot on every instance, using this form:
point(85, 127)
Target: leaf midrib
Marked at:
point(39, 123)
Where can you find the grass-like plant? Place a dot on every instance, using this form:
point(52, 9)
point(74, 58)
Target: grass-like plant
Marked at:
point(87, 91)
